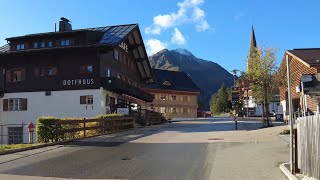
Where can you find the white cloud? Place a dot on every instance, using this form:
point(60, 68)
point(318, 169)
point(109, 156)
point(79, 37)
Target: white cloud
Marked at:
point(177, 37)
point(154, 46)
point(203, 26)
point(189, 11)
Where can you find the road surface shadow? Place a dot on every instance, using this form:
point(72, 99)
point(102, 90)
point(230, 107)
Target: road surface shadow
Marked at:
point(117, 139)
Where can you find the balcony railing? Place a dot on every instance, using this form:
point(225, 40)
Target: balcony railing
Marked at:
point(118, 86)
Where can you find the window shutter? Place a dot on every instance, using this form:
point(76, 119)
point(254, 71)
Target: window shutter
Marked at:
point(8, 76)
point(5, 104)
point(24, 104)
point(54, 71)
point(83, 69)
point(83, 99)
point(36, 71)
point(23, 74)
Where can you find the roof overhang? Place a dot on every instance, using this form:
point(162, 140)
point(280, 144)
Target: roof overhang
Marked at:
point(140, 55)
point(297, 58)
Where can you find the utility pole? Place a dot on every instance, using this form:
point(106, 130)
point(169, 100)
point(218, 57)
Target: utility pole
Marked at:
point(292, 145)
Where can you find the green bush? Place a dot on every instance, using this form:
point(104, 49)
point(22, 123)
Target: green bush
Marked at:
point(284, 132)
point(102, 116)
point(45, 129)
point(168, 116)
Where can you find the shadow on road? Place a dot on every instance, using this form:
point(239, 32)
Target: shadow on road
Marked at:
point(209, 125)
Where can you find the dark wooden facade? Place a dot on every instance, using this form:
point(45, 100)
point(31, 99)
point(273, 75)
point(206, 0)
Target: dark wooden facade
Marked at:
point(109, 62)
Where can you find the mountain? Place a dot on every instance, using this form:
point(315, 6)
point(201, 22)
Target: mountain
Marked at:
point(207, 75)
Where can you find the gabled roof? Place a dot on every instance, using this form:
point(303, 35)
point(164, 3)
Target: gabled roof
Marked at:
point(101, 37)
point(179, 81)
point(310, 56)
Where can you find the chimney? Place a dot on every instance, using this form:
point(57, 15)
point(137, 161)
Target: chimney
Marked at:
point(64, 25)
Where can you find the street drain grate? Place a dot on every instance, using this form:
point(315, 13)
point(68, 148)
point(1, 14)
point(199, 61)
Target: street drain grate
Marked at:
point(215, 139)
point(126, 159)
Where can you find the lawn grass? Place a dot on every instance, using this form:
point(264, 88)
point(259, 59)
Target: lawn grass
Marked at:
point(14, 146)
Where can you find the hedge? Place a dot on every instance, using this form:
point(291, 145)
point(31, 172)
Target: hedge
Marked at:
point(46, 127)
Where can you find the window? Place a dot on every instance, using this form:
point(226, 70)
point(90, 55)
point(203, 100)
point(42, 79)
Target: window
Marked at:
point(50, 44)
point(88, 99)
point(15, 104)
point(42, 71)
point(162, 110)
point(116, 54)
point(185, 98)
point(86, 69)
point(185, 110)
point(15, 75)
point(15, 135)
point(65, 42)
point(108, 72)
point(173, 97)
point(20, 46)
point(35, 45)
point(173, 110)
point(42, 45)
point(45, 71)
point(124, 59)
point(163, 97)
point(166, 83)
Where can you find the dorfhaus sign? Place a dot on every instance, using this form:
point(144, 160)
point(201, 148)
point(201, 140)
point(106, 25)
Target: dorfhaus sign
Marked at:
point(73, 82)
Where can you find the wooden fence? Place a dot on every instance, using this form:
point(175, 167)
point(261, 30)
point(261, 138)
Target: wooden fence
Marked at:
point(308, 134)
point(99, 126)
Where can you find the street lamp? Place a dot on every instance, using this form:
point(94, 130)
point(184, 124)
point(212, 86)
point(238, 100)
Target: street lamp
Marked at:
point(234, 72)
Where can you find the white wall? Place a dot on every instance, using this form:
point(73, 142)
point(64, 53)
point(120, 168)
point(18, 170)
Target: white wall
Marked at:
point(272, 107)
point(60, 104)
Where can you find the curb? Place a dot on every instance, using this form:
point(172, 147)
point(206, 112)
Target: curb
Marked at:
point(55, 143)
point(287, 172)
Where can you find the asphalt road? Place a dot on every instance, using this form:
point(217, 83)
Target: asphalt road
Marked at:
point(207, 149)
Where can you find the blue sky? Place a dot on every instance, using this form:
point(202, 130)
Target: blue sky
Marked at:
point(212, 30)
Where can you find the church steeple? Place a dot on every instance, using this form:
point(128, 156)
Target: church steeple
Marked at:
point(253, 42)
point(252, 48)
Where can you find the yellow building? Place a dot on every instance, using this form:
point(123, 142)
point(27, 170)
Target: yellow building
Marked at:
point(175, 93)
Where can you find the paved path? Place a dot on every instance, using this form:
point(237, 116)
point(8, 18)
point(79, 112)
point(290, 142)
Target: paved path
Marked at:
point(203, 149)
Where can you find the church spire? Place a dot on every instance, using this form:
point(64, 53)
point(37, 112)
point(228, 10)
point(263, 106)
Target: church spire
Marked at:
point(253, 42)
point(252, 48)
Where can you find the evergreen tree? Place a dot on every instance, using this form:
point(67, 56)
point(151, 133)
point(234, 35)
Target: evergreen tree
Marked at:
point(220, 101)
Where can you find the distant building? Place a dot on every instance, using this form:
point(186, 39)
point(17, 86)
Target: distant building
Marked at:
point(71, 73)
point(175, 93)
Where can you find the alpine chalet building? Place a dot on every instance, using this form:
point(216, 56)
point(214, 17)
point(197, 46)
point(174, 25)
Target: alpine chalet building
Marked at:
point(174, 93)
point(71, 73)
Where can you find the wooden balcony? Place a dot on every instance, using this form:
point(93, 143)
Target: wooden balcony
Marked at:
point(118, 86)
